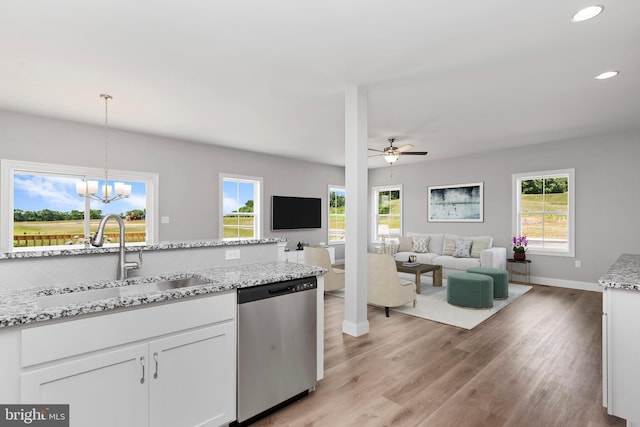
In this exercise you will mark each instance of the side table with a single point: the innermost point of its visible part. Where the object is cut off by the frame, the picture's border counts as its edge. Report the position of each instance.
(525, 272)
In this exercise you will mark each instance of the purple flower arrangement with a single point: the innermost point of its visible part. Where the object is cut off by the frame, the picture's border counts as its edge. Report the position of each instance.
(520, 244)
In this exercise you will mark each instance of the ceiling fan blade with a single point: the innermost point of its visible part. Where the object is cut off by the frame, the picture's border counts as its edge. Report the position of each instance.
(375, 155)
(403, 148)
(415, 153)
(373, 149)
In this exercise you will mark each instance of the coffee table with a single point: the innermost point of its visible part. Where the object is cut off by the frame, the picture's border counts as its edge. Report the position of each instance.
(420, 269)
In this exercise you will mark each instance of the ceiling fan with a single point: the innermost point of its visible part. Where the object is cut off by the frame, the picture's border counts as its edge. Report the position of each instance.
(392, 153)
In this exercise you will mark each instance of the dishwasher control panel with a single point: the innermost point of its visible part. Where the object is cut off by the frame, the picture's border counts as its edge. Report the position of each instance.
(271, 290)
(303, 287)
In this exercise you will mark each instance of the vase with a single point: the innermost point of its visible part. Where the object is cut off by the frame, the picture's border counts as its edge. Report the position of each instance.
(519, 256)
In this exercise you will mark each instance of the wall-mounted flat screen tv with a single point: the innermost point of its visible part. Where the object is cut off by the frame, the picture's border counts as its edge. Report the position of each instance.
(290, 213)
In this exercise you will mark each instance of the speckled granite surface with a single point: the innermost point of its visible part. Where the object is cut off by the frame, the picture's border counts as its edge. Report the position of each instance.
(19, 307)
(623, 274)
(160, 246)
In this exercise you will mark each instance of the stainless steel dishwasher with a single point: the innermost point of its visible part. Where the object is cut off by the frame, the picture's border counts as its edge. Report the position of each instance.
(276, 345)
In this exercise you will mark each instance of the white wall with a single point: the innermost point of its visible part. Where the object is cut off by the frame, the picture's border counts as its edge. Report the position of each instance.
(607, 198)
(188, 171)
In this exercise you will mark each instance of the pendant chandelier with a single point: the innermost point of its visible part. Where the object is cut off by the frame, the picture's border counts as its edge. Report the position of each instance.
(89, 189)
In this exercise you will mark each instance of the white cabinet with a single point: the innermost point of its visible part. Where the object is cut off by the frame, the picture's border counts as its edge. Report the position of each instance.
(620, 350)
(298, 256)
(295, 256)
(102, 390)
(192, 378)
(181, 373)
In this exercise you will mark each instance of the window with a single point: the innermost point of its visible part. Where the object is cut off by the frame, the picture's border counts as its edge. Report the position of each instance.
(41, 209)
(241, 207)
(336, 214)
(387, 210)
(544, 211)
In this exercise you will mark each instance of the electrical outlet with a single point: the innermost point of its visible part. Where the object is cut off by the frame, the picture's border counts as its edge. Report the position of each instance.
(232, 254)
(578, 263)
(164, 220)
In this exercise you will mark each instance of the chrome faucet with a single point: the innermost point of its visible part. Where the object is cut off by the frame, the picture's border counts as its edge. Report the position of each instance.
(123, 264)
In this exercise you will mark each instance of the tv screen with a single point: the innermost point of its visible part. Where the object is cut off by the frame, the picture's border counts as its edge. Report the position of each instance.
(290, 213)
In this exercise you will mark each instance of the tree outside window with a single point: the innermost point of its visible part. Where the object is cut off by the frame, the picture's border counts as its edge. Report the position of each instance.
(240, 208)
(337, 214)
(388, 210)
(42, 210)
(544, 211)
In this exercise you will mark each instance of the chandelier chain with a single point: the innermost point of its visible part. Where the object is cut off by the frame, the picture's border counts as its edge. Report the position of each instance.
(106, 98)
(90, 188)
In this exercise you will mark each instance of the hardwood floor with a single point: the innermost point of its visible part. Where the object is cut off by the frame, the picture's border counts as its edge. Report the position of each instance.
(535, 363)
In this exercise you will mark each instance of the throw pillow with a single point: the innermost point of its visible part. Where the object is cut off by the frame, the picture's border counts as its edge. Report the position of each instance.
(421, 244)
(436, 242)
(406, 244)
(450, 244)
(479, 245)
(463, 248)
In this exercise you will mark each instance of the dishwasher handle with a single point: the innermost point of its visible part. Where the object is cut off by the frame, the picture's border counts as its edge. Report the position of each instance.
(286, 290)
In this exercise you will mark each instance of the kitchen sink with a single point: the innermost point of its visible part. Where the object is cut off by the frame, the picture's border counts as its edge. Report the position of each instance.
(120, 291)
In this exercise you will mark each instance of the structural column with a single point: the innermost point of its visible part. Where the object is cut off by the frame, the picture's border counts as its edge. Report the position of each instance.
(356, 176)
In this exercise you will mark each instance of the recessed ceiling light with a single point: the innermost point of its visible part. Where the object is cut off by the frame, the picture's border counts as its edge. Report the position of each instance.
(606, 75)
(587, 13)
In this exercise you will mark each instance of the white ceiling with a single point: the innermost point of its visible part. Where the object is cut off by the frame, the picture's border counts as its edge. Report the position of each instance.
(449, 77)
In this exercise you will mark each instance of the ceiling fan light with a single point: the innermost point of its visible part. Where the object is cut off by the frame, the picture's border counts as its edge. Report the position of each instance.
(587, 13)
(390, 157)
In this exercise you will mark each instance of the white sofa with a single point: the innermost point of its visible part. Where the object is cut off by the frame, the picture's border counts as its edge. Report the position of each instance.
(441, 248)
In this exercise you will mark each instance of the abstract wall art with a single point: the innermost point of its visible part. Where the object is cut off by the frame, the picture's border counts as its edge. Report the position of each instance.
(456, 203)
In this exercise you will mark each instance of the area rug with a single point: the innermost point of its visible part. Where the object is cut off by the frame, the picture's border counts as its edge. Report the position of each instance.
(432, 304)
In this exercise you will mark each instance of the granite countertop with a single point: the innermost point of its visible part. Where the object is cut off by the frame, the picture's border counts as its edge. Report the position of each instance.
(88, 250)
(20, 306)
(623, 274)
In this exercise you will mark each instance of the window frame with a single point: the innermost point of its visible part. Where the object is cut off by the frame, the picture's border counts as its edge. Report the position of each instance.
(344, 215)
(517, 179)
(8, 168)
(375, 215)
(257, 203)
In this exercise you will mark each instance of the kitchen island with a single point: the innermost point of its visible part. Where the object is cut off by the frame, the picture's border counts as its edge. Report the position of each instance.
(621, 339)
(157, 358)
(20, 306)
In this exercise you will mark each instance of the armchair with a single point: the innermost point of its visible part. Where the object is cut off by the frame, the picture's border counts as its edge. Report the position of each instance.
(334, 279)
(384, 287)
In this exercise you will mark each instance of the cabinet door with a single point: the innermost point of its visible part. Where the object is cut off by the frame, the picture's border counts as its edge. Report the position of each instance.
(623, 342)
(102, 390)
(192, 377)
(292, 256)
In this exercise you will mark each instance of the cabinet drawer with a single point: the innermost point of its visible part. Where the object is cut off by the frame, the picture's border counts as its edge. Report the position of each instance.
(73, 337)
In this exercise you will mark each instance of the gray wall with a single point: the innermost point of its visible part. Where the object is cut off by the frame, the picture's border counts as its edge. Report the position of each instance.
(181, 165)
(607, 198)
(607, 176)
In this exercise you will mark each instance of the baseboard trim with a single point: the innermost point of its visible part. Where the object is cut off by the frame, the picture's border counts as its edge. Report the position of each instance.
(561, 283)
(355, 329)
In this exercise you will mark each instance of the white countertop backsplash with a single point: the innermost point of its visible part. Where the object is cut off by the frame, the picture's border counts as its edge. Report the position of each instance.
(59, 266)
(114, 248)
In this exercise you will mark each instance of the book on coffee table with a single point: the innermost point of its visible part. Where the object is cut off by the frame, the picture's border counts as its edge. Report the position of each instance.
(410, 264)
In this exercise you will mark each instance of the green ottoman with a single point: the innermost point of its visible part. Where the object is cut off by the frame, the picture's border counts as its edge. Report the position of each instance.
(470, 290)
(500, 280)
